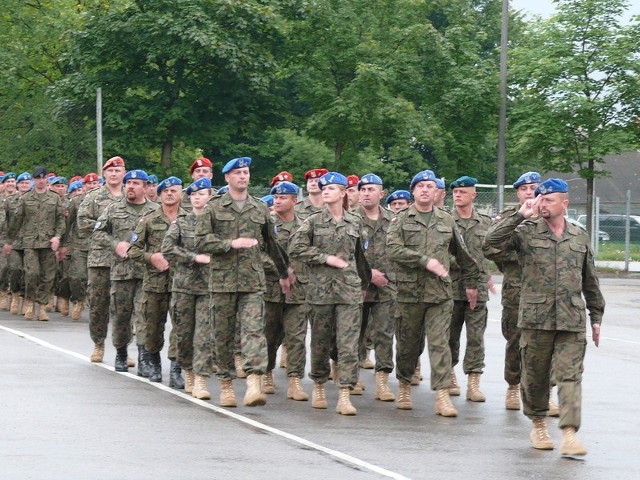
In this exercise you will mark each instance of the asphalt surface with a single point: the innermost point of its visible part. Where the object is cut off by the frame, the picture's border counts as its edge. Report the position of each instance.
(62, 417)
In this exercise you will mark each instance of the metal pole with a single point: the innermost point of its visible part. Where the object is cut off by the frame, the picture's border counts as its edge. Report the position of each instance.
(627, 233)
(502, 121)
(99, 127)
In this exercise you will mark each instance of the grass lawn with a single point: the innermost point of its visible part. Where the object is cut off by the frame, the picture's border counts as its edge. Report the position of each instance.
(613, 251)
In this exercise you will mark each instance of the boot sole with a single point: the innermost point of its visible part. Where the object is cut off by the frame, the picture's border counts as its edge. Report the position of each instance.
(256, 403)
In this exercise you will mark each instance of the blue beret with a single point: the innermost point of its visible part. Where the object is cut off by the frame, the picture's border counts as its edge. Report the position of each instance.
(552, 185)
(440, 184)
(59, 181)
(200, 184)
(153, 179)
(268, 199)
(73, 186)
(168, 182)
(7, 176)
(236, 163)
(526, 178)
(102, 180)
(223, 190)
(423, 176)
(24, 176)
(332, 178)
(369, 179)
(135, 175)
(50, 180)
(399, 195)
(464, 181)
(285, 188)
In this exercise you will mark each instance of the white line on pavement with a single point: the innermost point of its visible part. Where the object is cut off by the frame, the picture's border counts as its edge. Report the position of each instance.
(294, 438)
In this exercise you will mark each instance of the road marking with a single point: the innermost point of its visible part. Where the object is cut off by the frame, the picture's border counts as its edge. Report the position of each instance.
(294, 438)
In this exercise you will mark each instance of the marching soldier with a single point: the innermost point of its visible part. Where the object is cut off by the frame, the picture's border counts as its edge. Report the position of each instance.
(313, 203)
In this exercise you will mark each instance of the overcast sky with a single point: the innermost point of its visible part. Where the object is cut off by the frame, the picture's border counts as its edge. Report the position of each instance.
(546, 8)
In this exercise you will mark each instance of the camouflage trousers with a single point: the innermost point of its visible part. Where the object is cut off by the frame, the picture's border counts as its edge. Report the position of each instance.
(123, 293)
(377, 331)
(61, 284)
(476, 324)
(413, 321)
(337, 325)
(286, 322)
(78, 275)
(16, 271)
(155, 308)
(511, 334)
(194, 332)
(39, 273)
(4, 273)
(99, 296)
(563, 352)
(246, 309)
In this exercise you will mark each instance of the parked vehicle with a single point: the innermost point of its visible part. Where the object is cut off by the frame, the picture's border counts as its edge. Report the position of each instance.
(602, 236)
(615, 224)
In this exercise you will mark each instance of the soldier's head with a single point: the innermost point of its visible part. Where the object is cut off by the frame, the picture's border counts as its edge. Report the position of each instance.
(441, 194)
(113, 171)
(237, 174)
(371, 191)
(554, 198)
(135, 183)
(40, 179)
(285, 196)
(353, 194)
(24, 182)
(398, 200)
(199, 193)
(423, 187)
(464, 191)
(311, 177)
(91, 181)
(9, 183)
(170, 191)
(526, 186)
(75, 188)
(152, 188)
(201, 168)
(283, 176)
(59, 185)
(333, 186)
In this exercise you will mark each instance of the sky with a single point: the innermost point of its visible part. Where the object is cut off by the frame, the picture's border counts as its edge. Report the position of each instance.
(545, 8)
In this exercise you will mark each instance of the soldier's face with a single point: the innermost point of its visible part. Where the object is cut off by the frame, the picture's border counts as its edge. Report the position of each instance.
(283, 204)
(370, 196)
(526, 192)
(312, 185)
(171, 195)
(113, 176)
(152, 191)
(78, 191)
(201, 172)
(91, 185)
(353, 196)
(441, 194)
(41, 184)
(135, 190)
(200, 198)
(463, 196)
(424, 193)
(397, 205)
(59, 188)
(238, 179)
(10, 186)
(333, 193)
(553, 205)
(24, 186)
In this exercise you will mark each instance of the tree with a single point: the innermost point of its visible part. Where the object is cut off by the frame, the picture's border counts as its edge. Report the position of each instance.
(575, 89)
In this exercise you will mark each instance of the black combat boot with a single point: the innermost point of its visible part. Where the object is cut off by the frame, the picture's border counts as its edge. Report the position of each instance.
(175, 378)
(143, 362)
(155, 367)
(121, 360)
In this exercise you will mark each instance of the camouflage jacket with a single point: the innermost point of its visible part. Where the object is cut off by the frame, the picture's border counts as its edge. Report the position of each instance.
(556, 272)
(305, 208)
(473, 231)
(411, 244)
(91, 207)
(71, 238)
(238, 270)
(9, 207)
(320, 236)
(38, 218)
(147, 240)
(375, 251)
(283, 231)
(179, 248)
(116, 224)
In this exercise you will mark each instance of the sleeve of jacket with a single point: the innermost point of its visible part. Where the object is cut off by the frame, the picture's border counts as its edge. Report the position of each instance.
(138, 249)
(61, 221)
(277, 254)
(101, 235)
(591, 289)
(397, 250)
(206, 240)
(301, 244)
(469, 268)
(171, 248)
(86, 216)
(71, 220)
(501, 238)
(16, 222)
(362, 265)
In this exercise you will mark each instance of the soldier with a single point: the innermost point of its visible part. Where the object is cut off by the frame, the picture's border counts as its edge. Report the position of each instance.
(156, 286)
(353, 194)
(200, 168)
(39, 220)
(9, 202)
(190, 294)
(557, 270)
(59, 185)
(420, 241)
(286, 316)
(234, 229)
(441, 193)
(313, 203)
(151, 191)
(113, 232)
(283, 176)
(329, 242)
(398, 200)
(473, 226)
(378, 313)
(100, 258)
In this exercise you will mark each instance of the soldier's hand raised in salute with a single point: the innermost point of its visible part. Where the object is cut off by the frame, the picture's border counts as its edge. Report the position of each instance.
(530, 207)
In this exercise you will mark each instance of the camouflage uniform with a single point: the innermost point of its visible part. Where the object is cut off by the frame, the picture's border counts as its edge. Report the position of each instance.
(305, 208)
(147, 240)
(334, 295)
(116, 224)
(236, 280)
(286, 318)
(473, 230)
(98, 262)
(78, 253)
(15, 272)
(189, 298)
(424, 300)
(38, 218)
(379, 308)
(556, 272)
(62, 287)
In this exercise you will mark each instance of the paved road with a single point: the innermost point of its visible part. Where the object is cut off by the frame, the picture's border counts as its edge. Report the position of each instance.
(62, 417)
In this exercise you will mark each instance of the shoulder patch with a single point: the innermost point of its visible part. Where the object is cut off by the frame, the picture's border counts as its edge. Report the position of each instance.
(97, 225)
(134, 237)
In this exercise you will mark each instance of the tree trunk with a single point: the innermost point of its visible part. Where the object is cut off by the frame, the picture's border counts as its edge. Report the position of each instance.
(338, 155)
(167, 148)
